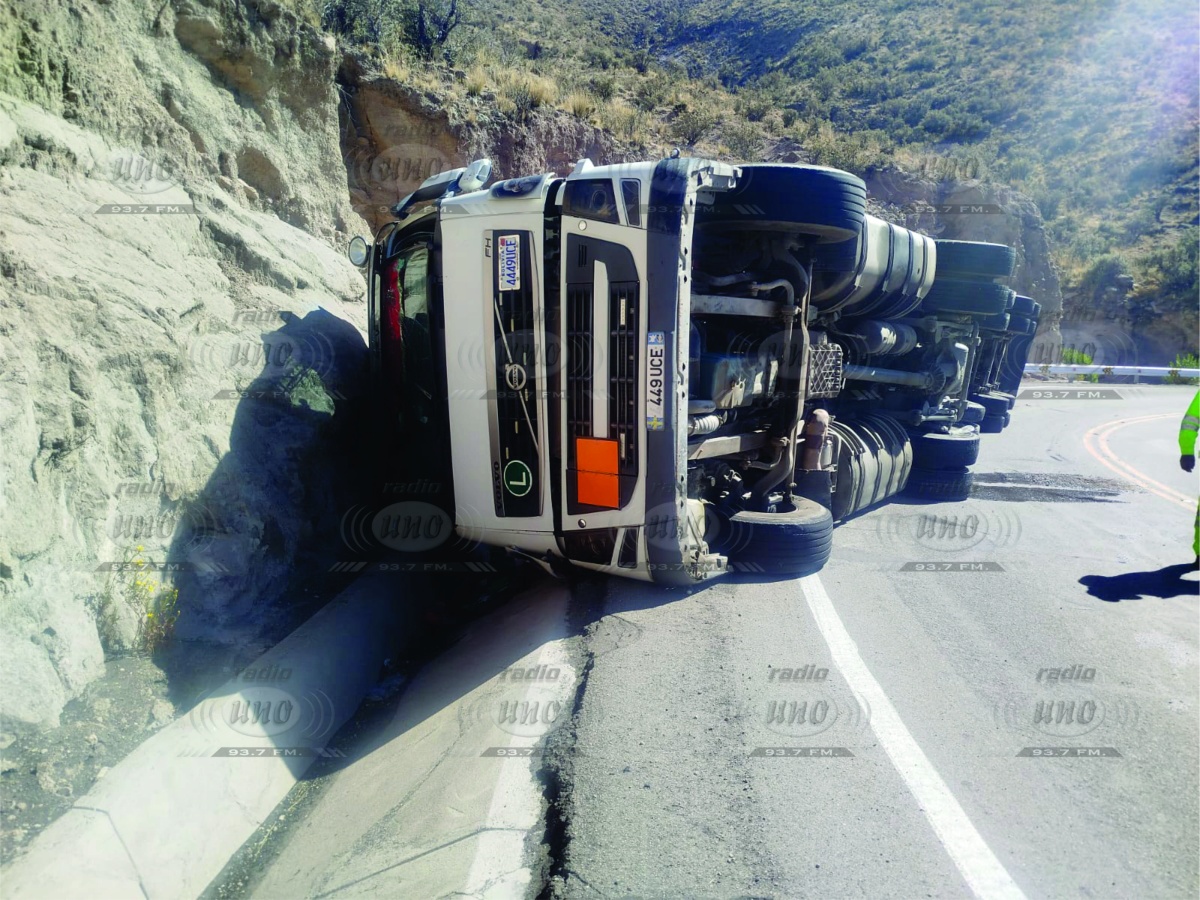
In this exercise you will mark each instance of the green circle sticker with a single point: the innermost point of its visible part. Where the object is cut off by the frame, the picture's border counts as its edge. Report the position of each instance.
(518, 480)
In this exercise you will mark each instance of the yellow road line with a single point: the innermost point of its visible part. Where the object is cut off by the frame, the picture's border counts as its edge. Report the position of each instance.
(1096, 443)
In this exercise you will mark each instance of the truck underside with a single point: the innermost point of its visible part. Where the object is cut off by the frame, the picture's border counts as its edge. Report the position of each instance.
(670, 370)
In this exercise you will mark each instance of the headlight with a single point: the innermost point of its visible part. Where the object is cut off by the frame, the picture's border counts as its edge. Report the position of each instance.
(358, 251)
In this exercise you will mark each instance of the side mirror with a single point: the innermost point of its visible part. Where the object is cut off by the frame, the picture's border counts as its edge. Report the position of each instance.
(358, 251)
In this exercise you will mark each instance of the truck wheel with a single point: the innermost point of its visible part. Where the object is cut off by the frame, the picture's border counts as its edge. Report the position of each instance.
(994, 403)
(1018, 324)
(1013, 367)
(940, 484)
(956, 450)
(974, 298)
(992, 424)
(975, 258)
(995, 323)
(1023, 306)
(974, 413)
(828, 203)
(795, 541)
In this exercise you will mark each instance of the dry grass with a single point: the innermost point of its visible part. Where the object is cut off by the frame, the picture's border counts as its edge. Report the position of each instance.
(581, 104)
(621, 119)
(397, 70)
(477, 81)
(523, 91)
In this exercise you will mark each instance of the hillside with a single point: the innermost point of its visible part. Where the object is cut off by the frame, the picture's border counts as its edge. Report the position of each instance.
(1088, 106)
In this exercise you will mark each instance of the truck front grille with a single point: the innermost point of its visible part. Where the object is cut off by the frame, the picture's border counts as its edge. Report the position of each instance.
(579, 360)
(623, 424)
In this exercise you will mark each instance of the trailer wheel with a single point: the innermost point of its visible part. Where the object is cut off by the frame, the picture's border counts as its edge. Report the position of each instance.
(975, 258)
(992, 424)
(956, 450)
(828, 203)
(940, 484)
(794, 541)
(973, 298)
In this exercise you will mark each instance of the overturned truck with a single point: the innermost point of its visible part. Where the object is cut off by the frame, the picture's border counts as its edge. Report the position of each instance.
(675, 369)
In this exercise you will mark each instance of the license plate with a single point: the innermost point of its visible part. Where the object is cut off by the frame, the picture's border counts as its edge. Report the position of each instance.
(656, 380)
(510, 262)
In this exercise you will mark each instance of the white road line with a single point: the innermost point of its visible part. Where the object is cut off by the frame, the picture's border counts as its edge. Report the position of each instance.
(983, 873)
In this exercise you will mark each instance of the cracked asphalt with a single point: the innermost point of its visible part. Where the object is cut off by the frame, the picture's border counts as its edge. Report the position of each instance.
(996, 697)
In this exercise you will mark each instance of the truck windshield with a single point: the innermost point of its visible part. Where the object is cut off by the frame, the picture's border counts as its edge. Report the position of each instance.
(412, 282)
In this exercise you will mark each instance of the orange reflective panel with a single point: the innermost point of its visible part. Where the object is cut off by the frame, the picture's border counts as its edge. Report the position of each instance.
(596, 455)
(596, 480)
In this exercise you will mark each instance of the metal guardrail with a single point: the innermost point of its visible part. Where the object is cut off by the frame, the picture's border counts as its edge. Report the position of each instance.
(1160, 371)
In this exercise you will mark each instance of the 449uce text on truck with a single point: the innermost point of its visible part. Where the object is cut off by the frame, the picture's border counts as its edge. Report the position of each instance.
(670, 370)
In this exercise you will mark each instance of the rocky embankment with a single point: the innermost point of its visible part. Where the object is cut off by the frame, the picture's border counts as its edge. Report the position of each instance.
(180, 335)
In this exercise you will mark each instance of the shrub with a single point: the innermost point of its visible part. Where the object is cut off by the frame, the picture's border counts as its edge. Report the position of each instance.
(155, 605)
(755, 106)
(744, 140)
(1073, 357)
(691, 124)
(1183, 361)
(604, 88)
(650, 93)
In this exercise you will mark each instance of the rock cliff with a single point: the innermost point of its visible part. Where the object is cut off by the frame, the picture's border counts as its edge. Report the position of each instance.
(180, 333)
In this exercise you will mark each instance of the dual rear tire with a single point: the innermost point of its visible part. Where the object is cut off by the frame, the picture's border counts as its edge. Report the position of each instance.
(941, 464)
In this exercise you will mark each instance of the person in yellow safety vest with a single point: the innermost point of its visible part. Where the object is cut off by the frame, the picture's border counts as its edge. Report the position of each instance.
(1187, 460)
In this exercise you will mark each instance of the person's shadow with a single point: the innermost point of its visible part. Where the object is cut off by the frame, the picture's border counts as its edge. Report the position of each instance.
(1164, 583)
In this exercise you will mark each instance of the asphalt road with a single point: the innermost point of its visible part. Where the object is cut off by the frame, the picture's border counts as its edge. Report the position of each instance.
(996, 697)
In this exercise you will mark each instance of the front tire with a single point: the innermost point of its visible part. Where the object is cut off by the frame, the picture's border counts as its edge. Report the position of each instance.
(793, 542)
